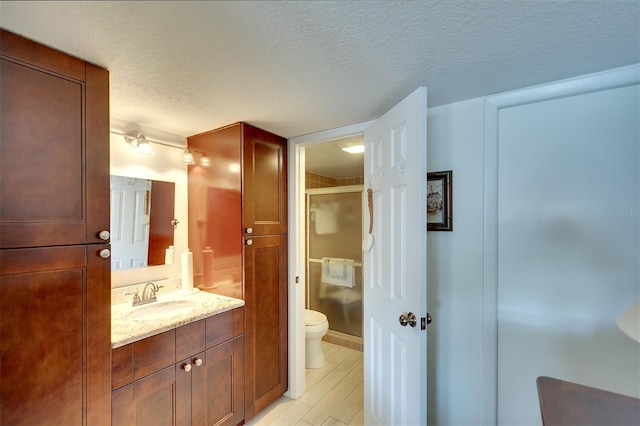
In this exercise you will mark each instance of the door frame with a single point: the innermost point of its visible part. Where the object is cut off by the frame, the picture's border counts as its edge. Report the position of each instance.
(296, 232)
(611, 79)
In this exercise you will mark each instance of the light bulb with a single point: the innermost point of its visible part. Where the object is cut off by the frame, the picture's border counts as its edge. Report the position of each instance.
(187, 157)
(204, 161)
(144, 147)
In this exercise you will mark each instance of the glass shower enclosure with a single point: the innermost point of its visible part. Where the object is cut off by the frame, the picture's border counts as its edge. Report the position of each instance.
(334, 256)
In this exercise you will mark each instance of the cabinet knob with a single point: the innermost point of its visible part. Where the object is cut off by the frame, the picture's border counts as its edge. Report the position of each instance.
(104, 235)
(197, 362)
(104, 253)
(249, 230)
(249, 242)
(186, 368)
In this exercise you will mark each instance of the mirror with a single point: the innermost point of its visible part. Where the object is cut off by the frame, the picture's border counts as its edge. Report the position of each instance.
(142, 222)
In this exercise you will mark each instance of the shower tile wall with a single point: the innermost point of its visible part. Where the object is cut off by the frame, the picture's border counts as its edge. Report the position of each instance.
(313, 180)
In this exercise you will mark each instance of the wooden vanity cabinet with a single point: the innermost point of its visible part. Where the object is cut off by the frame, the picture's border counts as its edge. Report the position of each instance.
(238, 210)
(192, 375)
(55, 277)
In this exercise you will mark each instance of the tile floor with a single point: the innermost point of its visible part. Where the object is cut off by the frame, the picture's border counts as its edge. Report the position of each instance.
(333, 396)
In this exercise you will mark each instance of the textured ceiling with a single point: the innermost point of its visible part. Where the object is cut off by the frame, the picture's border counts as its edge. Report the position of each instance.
(298, 67)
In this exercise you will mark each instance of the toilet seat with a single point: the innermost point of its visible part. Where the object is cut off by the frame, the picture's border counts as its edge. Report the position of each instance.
(312, 318)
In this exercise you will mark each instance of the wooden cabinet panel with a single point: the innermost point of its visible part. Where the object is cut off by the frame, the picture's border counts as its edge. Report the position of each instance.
(55, 311)
(190, 339)
(121, 366)
(264, 191)
(266, 312)
(154, 353)
(42, 324)
(219, 328)
(54, 150)
(148, 401)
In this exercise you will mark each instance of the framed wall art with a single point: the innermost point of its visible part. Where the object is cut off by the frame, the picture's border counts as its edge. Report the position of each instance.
(439, 209)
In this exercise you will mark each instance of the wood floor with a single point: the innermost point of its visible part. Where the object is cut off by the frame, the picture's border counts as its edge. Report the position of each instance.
(333, 395)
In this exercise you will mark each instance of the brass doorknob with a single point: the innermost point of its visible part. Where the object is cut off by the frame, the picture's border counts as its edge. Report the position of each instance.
(409, 318)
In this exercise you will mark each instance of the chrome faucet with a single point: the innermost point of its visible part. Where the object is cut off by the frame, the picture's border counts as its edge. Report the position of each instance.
(148, 294)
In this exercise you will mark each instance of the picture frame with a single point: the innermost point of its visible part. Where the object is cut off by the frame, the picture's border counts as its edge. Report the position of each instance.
(439, 200)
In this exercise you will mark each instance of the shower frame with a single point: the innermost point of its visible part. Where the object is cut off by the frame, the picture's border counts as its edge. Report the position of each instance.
(325, 191)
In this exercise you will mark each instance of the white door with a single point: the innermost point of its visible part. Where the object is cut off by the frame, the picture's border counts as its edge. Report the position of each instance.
(395, 272)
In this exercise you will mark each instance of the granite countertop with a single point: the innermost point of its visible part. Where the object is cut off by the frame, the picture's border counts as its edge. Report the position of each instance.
(125, 330)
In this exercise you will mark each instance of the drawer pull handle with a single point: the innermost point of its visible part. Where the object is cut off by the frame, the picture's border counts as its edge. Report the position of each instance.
(197, 362)
(249, 242)
(104, 253)
(249, 230)
(186, 368)
(104, 235)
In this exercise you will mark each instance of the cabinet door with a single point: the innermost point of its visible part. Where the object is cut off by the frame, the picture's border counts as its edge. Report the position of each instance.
(217, 391)
(264, 191)
(54, 147)
(55, 339)
(148, 401)
(266, 318)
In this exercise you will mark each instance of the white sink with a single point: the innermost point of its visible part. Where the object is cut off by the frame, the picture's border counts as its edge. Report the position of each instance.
(161, 310)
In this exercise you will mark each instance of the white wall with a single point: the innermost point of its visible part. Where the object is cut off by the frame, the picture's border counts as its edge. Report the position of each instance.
(456, 393)
(166, 165)
(454, 267)
(568, 246)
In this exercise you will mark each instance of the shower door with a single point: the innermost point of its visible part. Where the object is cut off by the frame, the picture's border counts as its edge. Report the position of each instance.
(334, 257)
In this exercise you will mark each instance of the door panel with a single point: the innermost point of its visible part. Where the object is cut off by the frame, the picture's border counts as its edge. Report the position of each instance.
(395, 267)
(41, 326)
(266, 309)
(264, 189)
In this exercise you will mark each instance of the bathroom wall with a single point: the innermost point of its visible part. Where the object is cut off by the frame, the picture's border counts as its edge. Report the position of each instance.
(456, 373)
(313, 180)
(166, 165)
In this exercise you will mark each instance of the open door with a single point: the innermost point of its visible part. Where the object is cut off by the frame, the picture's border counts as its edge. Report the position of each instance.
(395, 271)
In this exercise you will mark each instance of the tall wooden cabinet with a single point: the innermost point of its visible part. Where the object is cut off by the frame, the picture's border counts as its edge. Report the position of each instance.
(238, 216)
(54, 206)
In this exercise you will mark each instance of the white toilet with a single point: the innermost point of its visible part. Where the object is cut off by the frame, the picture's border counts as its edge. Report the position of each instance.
(315, 326)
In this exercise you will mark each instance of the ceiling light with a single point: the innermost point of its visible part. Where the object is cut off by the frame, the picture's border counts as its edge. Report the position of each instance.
(354, 149)
(133, 138)
(187, 157)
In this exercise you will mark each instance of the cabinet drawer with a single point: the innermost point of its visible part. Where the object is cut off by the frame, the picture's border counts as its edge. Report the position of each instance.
(219, 328)
(141, 358)
(190, 339)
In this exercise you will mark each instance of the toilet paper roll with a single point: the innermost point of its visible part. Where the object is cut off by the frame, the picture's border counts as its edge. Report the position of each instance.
(187, 271)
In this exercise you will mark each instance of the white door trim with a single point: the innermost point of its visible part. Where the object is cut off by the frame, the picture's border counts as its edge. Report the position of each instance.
(296, 234)
(605, 80)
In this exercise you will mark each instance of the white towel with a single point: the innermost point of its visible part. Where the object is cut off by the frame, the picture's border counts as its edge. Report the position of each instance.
(336, 272)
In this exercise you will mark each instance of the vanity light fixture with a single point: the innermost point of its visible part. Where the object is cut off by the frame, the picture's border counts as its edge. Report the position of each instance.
(354, 149)
(136, 139)
(204, 160)
(187, 157)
